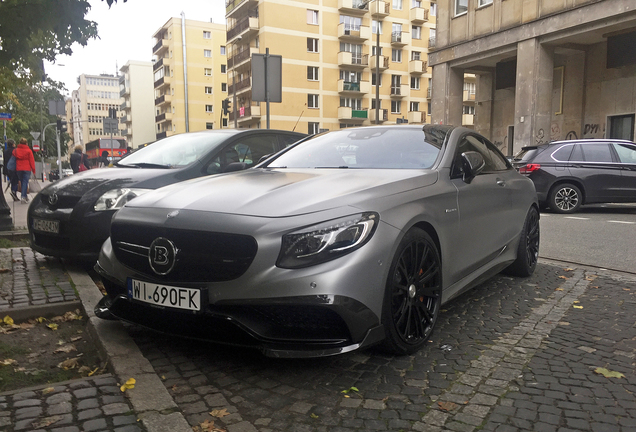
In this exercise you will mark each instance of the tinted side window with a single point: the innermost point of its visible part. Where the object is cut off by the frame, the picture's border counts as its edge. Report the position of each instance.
(498, 159)
(597, 153)
(251, 149)
(577, 154)
(626, 153)
(563, 154)
(287, 140)
(471, 143)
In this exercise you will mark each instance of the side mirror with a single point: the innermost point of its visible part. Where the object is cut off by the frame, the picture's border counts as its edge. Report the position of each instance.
(473, 163)
(235, 166)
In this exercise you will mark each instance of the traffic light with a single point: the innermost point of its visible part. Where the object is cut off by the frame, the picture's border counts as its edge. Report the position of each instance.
(226, 106)
(61, 126)
(112, 113)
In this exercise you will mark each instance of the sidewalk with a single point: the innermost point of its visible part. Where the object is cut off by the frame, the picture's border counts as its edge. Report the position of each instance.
(19, 210)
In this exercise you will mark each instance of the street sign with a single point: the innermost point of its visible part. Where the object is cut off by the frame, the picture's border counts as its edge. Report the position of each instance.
(57, 108)
(111, 126)
(36, 145)
(274, 84)
(5, 116)
(35, 135)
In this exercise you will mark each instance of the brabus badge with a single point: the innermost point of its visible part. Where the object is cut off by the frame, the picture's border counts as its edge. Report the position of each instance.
(173, 214)
(162, 256)
(53, 198)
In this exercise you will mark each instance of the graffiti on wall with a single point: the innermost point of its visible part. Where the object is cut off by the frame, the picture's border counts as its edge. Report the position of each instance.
(571, 135)
(540, 137)
(555, 132)
(594, 130)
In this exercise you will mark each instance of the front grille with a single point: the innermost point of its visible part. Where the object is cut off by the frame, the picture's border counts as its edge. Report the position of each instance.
(52, 241)
(63, 201)
(201, 257)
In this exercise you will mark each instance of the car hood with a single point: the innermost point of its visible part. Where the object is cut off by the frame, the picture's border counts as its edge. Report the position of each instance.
(111, 178)
(286, 192)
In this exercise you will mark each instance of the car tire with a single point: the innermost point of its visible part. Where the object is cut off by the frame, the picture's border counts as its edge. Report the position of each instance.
(565, 198)
(413, 293)
(528, 249)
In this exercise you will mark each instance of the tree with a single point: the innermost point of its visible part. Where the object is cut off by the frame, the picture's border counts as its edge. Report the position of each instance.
(34, 30)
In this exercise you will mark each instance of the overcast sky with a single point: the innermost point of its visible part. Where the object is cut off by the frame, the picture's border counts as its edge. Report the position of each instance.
(125, 33)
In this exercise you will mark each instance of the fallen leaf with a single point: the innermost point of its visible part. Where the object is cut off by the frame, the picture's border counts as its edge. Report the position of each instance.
(626, 289)
(313, 416)
(41, 319)
(7, 362)
(563, 277)
(46, 422)
(577, 307)
(91, 373)
(76, 338)
(48, 390)
(608, 373)
(130, 384)
(71, 363)
(5, 270)
(559, 289)
(568, 269)
(219, 413)
(26, 326)
(8, 320)
(350, 389)
(447, 406)
(52, 326)
(66, 349)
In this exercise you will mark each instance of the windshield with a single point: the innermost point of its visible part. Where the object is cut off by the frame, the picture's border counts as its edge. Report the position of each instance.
(175, 151)
(373, 147)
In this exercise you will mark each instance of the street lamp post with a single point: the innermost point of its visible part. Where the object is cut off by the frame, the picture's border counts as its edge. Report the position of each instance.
(377, 54)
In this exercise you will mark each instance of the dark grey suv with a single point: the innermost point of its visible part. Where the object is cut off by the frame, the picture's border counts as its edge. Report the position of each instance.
(568, 174)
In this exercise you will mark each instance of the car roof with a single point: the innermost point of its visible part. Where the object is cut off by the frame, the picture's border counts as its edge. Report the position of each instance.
(577, 141)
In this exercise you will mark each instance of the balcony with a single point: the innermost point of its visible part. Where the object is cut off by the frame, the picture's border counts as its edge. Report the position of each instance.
(347, 113)
(160, 46)
(429, 91)
(400, 38)
(352, 7)
(384, 115)
(124, 91)
(350, 32)
(348, 59)
(240, 86)
(379, 9)
(469, 96)
(246, 115)
(418, 15)
(246, 27)
(353, 87)
(125, 105)
(233, 7)
(161, 135)
(399, 91)
(163, 61)
(383, 61)
(417, 67)
(164, 80)
(468, 119)
(416, 117)
(166, 98)
(241, 58)
(163, 117)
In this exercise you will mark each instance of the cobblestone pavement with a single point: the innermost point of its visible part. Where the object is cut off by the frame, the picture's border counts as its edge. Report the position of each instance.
(512, 354)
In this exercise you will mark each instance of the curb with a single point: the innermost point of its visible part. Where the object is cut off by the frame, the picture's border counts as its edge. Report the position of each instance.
(150, 398)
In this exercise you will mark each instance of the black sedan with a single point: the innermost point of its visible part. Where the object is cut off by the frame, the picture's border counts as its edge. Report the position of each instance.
(71, 217)
(348, 239)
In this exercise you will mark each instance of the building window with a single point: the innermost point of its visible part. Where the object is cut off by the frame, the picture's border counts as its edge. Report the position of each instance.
(433, 10)
(373, 104)
(312, 73)
(209, 108)
(223, 87)
(312, 128)
(355, 104)
(208, 90)
(223, 68)
(416, 3)
(351, 23)
(416, 55)
(224, 122)
(397, 4)
(416, 32)
(396, 55)
(209, 125)
(373, 79)
(350, 76)
(207, 35)
(374, 49)
(207, 53)
(207, 72)
(469, 109)
(312, 100)
(222, 50)
(374, 26)
(312, 16)
(415, 83)
(484, 2)
(312, 45)
(396, 107)
(461, 6)
(414, 106)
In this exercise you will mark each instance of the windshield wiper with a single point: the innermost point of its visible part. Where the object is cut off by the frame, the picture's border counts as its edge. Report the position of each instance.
(332, 167)
(144, 165)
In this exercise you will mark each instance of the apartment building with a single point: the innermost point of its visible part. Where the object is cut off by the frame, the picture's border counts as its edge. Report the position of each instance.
(331, 61)
(95, 96)
(138, 113)
(189, 84)
(545, 69)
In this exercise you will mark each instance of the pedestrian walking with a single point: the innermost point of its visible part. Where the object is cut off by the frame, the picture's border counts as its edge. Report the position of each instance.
(24, 166)
(103, 161)
(79, 160)
(9, 169)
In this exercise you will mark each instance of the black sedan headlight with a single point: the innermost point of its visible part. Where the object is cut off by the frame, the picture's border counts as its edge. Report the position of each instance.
(326, 241)
(115, 199)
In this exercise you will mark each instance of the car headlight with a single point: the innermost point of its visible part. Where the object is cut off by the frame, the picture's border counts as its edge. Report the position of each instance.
(115, 199)
(326, 241)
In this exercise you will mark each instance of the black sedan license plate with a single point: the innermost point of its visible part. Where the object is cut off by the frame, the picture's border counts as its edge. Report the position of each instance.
(164, 295)
(44, 225)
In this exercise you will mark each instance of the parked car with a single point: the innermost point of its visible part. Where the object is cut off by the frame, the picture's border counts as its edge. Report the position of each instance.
(54, 175)
(71, 217)
(344, 240)
(67, 172)
(569, 174)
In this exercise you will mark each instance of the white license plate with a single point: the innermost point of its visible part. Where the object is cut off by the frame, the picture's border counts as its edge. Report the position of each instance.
(50, 226)
(164, 295)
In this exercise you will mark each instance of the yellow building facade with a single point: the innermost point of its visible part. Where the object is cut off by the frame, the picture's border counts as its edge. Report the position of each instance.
(189, 99)
(329, 61)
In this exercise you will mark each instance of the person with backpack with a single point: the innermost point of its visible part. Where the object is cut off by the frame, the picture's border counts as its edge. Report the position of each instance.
(79, 160)
(24, 166)
(9, 169)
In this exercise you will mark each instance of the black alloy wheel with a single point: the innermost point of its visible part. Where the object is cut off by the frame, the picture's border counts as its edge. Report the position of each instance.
(565, 198)
(528, 250)
(413, 293)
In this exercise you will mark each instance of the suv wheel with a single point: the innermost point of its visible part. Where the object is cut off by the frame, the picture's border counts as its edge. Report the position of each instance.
(565, 198)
